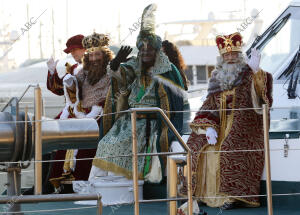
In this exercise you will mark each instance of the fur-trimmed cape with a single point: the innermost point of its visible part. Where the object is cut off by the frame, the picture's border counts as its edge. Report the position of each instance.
(169, 90)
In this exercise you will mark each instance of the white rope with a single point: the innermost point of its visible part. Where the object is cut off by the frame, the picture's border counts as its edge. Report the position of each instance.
(130, 155)
(29, 171)
(77, 159)
(19, 103)
(49, 120)
(53, 210)
(206, 197)
(247, 196)
(187, 111)
(246, 150)
(46, 106)
(271, 108)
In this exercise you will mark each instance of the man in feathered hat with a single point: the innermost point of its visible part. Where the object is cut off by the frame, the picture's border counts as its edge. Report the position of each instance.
(148, 80)
(219, 125)
(85, 94)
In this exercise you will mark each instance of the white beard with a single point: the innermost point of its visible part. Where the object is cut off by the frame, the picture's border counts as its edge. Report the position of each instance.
(226, 74)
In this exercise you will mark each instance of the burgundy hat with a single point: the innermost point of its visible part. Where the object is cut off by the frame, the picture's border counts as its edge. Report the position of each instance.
(73, 43)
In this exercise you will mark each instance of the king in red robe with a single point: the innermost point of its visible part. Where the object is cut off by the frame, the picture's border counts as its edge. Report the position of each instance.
(229, 120)
(84, 87)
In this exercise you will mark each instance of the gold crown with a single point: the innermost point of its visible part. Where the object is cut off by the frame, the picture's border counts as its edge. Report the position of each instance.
(94, 42)
(229, 43)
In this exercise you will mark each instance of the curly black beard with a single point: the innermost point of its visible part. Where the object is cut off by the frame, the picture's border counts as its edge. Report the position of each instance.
(95, 71)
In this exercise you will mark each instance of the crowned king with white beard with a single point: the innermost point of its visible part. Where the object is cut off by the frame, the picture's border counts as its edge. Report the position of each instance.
(229, 120)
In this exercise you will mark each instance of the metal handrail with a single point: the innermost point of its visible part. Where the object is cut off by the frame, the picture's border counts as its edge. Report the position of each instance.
(135, 156)
(49, 198)
(169, 123)
(53, 198)
(17, 149)
(8, 103)
(25, 91)
(267, 158)
(21, 97)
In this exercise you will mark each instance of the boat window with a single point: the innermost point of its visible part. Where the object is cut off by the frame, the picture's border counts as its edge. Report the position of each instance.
(280, 41)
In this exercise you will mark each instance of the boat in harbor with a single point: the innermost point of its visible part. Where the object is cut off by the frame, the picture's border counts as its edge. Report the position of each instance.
(279, 46)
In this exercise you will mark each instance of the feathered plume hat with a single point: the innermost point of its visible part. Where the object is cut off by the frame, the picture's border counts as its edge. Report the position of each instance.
(147, 34)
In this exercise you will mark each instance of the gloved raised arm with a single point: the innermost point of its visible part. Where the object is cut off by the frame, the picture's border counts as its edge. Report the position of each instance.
(254, 61)
(52, 65)
(120, 58)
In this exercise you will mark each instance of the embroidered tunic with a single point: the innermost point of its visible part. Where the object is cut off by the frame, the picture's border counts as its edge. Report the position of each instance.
(119, 136)
(92, 95)
(159, 91)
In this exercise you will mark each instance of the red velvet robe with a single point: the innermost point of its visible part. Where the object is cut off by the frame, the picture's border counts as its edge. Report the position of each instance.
(240, 172)
(82, 169)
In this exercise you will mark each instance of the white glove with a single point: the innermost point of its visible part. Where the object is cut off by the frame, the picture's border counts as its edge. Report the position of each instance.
(211, 136)
(254, 61)
(65, 113)
(69, 80)
(96, 111)
(52, 65)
